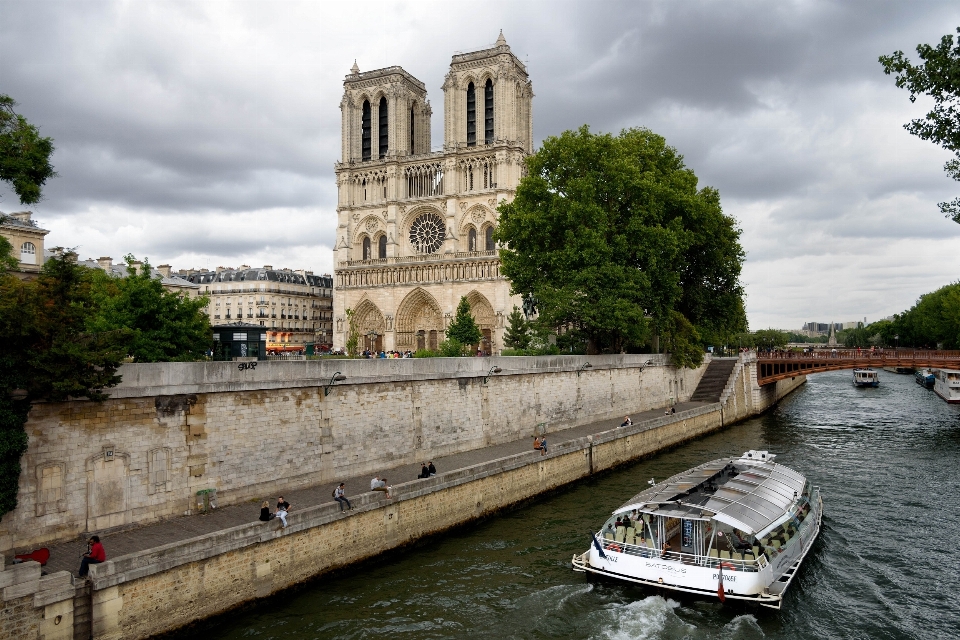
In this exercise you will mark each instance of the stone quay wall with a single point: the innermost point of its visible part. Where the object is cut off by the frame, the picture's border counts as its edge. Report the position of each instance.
(164, 588)
(255, 428)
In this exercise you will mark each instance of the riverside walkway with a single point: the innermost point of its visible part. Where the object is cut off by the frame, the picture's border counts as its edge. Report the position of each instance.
(64, 556)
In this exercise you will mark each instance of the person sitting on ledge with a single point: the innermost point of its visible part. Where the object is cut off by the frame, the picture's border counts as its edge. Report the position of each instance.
(627, 422)
(282, 508)
(94, 555)
(380, 484)
(265, 514)
(424, 471)
(431, 468)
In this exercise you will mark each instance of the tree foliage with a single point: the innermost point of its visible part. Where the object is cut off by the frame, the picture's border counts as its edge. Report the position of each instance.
(48, 353)
(24, 154)
(933, 320)
(612, 237)
(517, 333)
(464, 329)
(164, 326)
(938, 76)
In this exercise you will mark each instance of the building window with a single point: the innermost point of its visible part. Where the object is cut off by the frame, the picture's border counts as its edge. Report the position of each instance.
(427, 233)
(412, 138)
(471, 116)
(382, 247)
(488, 112)
(365, 131)
(382, 118)
(366, 248)
(28, 253)
(472, 239)
(488, 239)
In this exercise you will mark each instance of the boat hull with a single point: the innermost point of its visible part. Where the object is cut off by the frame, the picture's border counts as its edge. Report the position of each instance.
(947, 385)
(765, 587)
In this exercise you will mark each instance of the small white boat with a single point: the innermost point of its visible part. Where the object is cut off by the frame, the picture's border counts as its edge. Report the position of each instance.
(731, 528)
(866, 377)
(925, 378)
(947, 385)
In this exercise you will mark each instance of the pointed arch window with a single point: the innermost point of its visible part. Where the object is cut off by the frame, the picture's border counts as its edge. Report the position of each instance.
(472, 239)
(382, 129)
(471, 115)
(382, 247)
(366, 249)
(412, 136)
(488, 239)
(365, 131)
(488, 112)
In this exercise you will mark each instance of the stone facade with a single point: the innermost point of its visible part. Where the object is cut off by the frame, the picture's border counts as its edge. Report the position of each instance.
(415, 227)
(172, 429)
(295, 307)
(26, 237)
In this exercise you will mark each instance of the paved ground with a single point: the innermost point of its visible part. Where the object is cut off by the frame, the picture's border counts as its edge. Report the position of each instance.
(65, 556)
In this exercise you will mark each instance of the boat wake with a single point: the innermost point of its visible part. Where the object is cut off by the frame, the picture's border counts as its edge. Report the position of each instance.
(656, 618)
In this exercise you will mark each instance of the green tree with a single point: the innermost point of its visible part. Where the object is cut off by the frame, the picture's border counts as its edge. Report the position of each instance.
(938, 76)
(933, 320)
(770, 339)
(517, 334)
(24, 154)
(165, 326)
(353, 333)
(608, 231)
(48, 353)
(857, 337)
(464, 329)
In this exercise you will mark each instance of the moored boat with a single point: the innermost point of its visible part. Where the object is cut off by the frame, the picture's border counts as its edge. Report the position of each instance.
(866, 377)
(731, 528)
(947, 385)
(925, 377)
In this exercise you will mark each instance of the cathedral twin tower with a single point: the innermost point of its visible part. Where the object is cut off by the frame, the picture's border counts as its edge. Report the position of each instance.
(414, 226)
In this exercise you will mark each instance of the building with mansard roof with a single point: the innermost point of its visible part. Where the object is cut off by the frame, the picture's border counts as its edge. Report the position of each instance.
(415, 226)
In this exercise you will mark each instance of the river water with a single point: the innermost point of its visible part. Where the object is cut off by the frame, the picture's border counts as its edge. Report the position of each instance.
(885, 565)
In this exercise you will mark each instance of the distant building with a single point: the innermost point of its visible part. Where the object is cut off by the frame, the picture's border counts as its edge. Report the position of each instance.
(295, 307)
(170, 281)
(27, 239)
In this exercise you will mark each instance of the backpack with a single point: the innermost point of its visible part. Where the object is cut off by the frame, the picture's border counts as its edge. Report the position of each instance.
(334, 494)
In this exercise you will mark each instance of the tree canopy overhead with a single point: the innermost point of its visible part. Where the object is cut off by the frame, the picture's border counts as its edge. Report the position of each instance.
(612, 237)
(938, 76)
(24, 154)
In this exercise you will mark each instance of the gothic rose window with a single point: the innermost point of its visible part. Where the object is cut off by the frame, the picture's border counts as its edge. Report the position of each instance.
(426, 233)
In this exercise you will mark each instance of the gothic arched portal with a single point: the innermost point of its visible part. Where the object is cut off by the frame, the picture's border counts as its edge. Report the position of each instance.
(419, 321)
(370, 326)
(482, 312)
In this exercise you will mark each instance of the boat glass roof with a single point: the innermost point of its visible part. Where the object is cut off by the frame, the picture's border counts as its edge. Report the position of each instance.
(747, 493)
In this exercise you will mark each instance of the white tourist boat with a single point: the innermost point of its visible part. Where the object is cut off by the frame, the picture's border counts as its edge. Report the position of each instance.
(732, 528)
(947, 385)
(866, 377)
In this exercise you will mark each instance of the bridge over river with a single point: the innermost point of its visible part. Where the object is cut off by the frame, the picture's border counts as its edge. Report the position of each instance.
(780, 365)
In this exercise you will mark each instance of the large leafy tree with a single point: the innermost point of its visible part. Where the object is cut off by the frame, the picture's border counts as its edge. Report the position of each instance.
(938, 76)
(24, 154)
(612, 237)
(933, 320)
(165, 326)
(48, 353)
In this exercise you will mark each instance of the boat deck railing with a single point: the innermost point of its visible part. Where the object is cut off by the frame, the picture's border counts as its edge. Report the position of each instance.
(748, 564)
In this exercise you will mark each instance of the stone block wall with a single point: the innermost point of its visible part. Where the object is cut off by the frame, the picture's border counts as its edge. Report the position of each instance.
(248, 429)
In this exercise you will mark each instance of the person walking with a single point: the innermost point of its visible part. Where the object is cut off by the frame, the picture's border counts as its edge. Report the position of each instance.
(338, 495)
(94, 555)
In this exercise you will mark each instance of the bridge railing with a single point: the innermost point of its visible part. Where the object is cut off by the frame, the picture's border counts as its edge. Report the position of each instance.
(879, 355)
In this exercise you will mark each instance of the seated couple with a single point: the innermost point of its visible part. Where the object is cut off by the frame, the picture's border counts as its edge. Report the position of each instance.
(427, 469)
(540, 444)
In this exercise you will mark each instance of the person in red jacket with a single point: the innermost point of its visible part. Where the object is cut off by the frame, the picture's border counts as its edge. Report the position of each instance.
(94, 555)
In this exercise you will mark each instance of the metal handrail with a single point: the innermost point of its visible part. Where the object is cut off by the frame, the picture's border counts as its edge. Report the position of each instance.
(751, 566)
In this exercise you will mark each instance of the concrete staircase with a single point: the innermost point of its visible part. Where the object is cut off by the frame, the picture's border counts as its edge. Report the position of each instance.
(714, 380)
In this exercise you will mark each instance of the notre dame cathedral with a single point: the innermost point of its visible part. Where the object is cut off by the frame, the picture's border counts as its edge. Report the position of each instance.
(415, 226)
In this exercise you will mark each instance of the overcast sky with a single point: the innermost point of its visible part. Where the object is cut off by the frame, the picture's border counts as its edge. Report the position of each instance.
(204, 133)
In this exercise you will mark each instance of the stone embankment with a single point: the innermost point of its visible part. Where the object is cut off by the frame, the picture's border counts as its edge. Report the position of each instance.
(161, 588)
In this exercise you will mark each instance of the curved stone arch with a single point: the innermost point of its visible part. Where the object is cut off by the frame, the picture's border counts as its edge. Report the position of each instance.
(472, 216)
(368, 317)
(465, 81)
(483, 315)
(403, 233)
(358, 239)
(482, 236)
(485, 75)
(419, 312)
